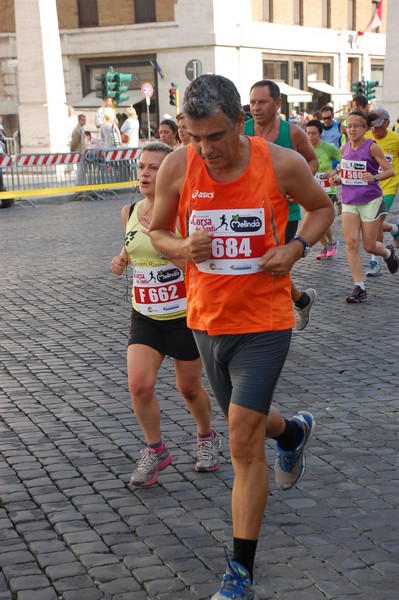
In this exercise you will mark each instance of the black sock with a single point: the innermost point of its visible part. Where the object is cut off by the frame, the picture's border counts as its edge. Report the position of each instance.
(244, 553)
(291, 437)
(303, 300)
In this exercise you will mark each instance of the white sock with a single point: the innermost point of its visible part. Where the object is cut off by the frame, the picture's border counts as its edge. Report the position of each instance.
(394, 229)
(360, 284)
(388, 254)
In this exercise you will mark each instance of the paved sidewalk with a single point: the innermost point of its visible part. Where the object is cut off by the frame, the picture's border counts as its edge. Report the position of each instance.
(70, 526)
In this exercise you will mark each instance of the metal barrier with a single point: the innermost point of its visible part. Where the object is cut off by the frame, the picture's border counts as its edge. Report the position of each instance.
(11, 146)
(91, 175)
(111, 166)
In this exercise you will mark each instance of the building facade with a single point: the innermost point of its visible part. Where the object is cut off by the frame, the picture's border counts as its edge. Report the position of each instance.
(310, 46)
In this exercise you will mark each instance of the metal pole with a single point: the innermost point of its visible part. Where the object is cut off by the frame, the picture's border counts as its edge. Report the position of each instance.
(147, 101)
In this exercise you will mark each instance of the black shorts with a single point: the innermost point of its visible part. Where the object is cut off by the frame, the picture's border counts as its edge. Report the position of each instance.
(170, 338)
(243, 369)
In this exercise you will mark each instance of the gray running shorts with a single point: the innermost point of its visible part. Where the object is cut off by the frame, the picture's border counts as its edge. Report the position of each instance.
(244, 368)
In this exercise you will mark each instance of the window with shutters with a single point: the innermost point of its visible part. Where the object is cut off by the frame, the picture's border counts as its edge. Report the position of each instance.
(144, 11)
(88, 13)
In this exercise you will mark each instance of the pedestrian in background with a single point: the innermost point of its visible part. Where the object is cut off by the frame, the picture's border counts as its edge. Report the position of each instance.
(159, 329)
(72, 122)
(106, 109)
(78, 144)
(332, 130)
(130, 129)
(182, 130)
(109, 132)
(360, 102)
(168, 133)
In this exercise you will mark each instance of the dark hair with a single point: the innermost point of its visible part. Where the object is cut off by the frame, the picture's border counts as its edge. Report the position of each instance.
(359, 113)
(361, 100)
(179, 116)
(157, 147)
(209, 93)
(170, 123)
(315, 123)
(327, 107)
(273, 88)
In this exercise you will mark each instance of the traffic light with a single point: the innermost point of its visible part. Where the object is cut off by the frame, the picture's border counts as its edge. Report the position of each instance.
(370, 91)
(108, 85)
(358, 87)
(102, 87)
(113, 85)
(172, 94)
(121, 79)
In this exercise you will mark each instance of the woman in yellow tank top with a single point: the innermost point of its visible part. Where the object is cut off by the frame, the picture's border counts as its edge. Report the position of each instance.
(159, 329)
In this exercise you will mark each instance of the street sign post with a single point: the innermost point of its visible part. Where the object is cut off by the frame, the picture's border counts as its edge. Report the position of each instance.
(193, 69)
(147, 90)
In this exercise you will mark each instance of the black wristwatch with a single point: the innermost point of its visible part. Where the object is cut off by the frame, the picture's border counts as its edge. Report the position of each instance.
(306, 247)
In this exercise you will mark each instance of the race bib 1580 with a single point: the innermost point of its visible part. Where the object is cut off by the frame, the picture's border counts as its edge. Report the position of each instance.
(351, 172)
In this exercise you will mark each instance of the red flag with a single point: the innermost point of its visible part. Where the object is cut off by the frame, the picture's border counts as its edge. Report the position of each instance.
(375, 21)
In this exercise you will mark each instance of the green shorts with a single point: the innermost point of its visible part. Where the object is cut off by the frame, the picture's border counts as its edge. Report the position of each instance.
(367, 212)
(294, 211)
(388, 199)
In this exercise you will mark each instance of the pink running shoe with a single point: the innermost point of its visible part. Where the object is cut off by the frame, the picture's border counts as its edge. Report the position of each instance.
(149, 465)
(332, 248)
(323, 254)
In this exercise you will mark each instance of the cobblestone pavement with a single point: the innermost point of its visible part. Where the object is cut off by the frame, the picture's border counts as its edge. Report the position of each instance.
(71, 527)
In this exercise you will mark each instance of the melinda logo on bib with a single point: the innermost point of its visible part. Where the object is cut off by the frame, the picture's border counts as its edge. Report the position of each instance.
(249, 223)
(168, 275)
(198, 194)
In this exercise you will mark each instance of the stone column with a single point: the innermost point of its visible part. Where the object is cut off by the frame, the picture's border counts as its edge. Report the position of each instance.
(42, 101)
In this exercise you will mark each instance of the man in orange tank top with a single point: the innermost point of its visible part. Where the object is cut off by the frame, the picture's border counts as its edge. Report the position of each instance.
(238, 290)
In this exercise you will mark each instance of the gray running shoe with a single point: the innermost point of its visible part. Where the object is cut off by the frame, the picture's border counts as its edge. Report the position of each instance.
(302, 315)
(149, 465)
(208, 453)
(236, 584)
(290, 465)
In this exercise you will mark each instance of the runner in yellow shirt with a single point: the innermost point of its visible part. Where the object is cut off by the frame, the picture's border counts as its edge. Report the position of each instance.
(388, 141)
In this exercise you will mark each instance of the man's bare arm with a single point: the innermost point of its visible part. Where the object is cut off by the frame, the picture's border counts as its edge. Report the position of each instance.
(197, 247)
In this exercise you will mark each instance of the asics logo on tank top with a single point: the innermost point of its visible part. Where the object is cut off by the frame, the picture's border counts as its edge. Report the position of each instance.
(199, 194)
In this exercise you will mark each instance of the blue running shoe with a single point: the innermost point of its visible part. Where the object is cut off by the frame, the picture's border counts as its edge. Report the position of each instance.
(375, 269)
(290, 464)
(395, 236)
(236, 584)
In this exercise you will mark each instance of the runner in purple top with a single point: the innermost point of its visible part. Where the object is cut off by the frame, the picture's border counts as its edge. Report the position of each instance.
(363, 165)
